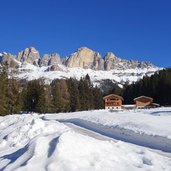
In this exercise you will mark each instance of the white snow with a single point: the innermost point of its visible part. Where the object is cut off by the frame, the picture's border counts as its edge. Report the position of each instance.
(31, 72)
(152, 121)
(40, 142)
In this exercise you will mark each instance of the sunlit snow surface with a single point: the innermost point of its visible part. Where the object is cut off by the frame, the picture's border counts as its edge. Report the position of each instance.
(39, 142)
(31, 72)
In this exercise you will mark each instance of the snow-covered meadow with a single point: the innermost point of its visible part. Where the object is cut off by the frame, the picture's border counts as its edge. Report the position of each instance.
(91, 140)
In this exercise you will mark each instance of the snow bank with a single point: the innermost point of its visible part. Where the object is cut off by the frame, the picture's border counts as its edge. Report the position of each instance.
(150, 128)
(29, 142)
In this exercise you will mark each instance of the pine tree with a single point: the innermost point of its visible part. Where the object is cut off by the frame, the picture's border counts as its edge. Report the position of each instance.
(98, 102)
(48, 98)
(85, 94)
(14, 100)
(60, 95)
(74, 95)
(4, 91)
(34, 97)
(158, 86)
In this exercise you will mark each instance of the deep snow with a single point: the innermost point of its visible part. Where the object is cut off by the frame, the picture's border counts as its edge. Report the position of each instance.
(40, 142)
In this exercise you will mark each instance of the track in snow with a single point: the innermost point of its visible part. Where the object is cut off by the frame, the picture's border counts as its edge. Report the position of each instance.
(93, 134)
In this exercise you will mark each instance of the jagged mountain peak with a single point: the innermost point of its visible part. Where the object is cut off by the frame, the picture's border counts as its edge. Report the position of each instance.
(102, 70)
(84, 48)
(84, 57)
(30, 48)
(29, 55)
(110, 55)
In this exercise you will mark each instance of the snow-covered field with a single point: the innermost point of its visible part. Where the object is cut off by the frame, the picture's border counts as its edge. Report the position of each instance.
(87, 141)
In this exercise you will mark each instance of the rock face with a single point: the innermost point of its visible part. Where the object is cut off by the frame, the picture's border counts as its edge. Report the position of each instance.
(82, 58)
(108, 70)
(53, 59)
(110, 61)
(29, 55)
(10, 60)
(113, 62)
(85, 58)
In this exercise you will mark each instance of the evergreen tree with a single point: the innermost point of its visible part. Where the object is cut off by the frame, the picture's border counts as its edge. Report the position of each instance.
(74, 95)
(4, 91)
(98, 102)
(48, 98)
(14, 100)
(60, 96)
(34, 97)
(116, 90)
(157, 86)
(85, 94)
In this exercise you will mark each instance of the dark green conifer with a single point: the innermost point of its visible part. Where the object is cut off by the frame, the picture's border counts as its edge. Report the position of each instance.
(4, 91)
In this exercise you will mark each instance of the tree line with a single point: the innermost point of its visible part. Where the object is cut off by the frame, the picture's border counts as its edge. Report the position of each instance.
(158, 86)
(70, 95)
(62, 95)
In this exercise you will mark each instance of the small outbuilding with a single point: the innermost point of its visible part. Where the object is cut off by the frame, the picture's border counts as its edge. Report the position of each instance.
(113, 101)
(143, 101)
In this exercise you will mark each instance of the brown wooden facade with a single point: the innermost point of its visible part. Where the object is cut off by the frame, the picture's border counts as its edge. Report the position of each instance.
(143, 101)
(113, 101)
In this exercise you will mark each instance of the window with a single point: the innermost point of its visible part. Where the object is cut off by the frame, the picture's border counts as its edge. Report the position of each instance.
(113, 99)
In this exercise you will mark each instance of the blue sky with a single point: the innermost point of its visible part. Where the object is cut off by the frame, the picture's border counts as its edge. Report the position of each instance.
(131, 29)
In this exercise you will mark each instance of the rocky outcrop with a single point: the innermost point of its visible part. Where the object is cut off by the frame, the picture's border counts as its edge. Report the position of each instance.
(82, 58)
(53, 59)
(109, 61)
(10, 60)
(113, 62)
(29, 55)
(85, 58)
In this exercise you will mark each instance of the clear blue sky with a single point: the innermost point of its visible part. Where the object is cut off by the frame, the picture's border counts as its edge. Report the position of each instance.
(132, 29)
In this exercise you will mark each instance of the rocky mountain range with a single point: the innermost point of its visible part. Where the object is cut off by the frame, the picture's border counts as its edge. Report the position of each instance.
(83, 58)
(103, 71)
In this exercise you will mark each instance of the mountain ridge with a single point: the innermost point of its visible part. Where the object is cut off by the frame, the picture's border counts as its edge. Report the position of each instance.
(103, 71)
(83, 58)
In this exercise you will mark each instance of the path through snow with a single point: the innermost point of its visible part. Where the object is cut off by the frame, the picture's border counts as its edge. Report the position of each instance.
(28, 142)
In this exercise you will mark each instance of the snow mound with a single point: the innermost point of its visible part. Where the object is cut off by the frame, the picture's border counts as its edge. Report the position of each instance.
(29, 142)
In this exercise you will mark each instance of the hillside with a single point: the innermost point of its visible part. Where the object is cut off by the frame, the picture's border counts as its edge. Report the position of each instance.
(28, 65)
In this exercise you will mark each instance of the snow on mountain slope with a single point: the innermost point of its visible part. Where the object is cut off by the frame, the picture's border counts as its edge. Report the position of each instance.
(31, 72)
(29, 65)
(28, 142)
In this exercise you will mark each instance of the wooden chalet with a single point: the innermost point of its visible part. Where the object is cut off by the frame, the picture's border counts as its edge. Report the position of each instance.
(143, 101)
(113, 101)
